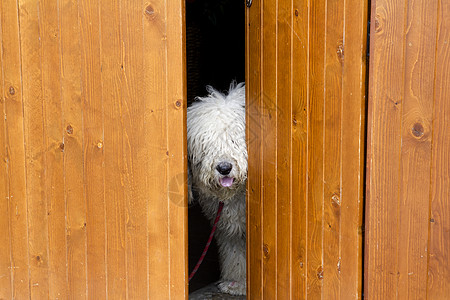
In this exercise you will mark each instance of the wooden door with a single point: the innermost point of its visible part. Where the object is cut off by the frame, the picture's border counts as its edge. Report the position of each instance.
(408, 179)
(93, 157)
(306, 75)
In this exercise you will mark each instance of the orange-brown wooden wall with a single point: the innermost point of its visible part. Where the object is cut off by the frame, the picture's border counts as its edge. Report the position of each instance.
(93, 158)
(306, 66)
(408, 178)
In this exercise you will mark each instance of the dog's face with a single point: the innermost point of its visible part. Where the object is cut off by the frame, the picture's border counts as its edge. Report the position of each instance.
(217, 147)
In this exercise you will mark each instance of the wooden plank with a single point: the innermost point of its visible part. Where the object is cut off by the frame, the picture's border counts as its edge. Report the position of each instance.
(352, 143)
(439, 234)
(92, 106)
(315, 151)
(299, 133)
(177, 157)
(15, 150)
(283, 124)
(135, 149)
(116, 175)
(415, 169)
(334, 60)
(54, 147)
(384, 140)
(5, 230)
(35, 154)
(268, 121)
(254, 136)
(308, 101)
(154, 87)
(71, 98)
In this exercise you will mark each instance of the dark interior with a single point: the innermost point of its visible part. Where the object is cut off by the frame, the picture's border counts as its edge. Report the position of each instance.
(215, 54)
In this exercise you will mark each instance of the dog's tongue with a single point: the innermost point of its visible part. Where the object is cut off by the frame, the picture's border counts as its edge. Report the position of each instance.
(226, 181)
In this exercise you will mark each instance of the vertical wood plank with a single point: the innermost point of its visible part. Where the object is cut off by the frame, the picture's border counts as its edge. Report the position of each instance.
(268, 121)
(54, 147)
(15, 149)
(416, 149)
(116, 175)
(311, 96)
(283, 125)
(5, 231)
(384, 139)
(315, 151)
(254, 96)
(353, 140)
(35, 149)
(177, 160)
(135, 150)
(154, 27)
(76, 217)
(71, 95)
(299, 133)
(405, 149)
(93, 143)
(439, 241)
(334, 61)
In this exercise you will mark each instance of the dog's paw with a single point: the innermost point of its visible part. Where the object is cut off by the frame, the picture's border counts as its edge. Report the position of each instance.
(232, 287)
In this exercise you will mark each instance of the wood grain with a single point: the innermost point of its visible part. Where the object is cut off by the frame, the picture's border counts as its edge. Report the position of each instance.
(177, 160)
(439, 232)
(71, 98)
(315, 165)
(5, 231)
(15, 150)
(299, 132)
(307, 123)
(384, 126)
(407, 163)
(53, 143)
(416, 149)
(115, 113)
(93, 149)
(332, 173)
(254, 98)
(268, 125)
(155, 90)
(283, 132)
(35, 149)
(352, 149)
(135, 149)
(86, 92)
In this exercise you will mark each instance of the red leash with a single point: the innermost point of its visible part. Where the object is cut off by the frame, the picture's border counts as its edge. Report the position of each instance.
(219, 211)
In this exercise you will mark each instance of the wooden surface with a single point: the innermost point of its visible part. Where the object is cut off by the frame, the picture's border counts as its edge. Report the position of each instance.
(305, 113)
(407, 227)
(92, 148)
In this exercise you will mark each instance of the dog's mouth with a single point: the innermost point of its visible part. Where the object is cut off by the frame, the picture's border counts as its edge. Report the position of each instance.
(226, 181)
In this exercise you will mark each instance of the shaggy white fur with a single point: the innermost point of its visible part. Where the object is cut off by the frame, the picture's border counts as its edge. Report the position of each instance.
(218, 165)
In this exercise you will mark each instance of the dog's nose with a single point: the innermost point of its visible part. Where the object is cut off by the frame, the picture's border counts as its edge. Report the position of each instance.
(224, 168)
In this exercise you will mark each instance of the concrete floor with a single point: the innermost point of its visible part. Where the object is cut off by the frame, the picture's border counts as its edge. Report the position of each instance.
(211, 292)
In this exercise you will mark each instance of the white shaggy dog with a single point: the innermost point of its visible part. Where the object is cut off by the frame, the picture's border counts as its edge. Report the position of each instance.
(218, 168)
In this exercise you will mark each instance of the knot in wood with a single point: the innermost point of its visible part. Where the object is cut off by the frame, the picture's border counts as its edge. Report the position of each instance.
(69, 129)
(266, 251)
(340, 52)
(150, 12)
(320, 273)
(335, 200)
(377, 24)
(12, 91)
(417, 130)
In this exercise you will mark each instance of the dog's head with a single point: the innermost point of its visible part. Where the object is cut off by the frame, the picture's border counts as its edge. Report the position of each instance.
(216, 142)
